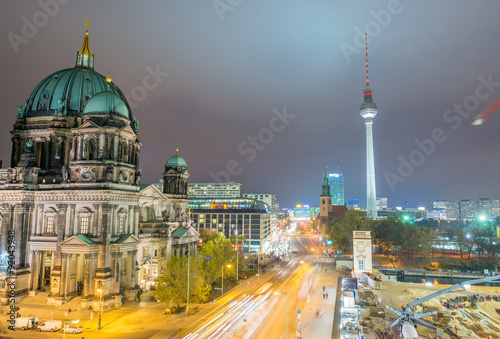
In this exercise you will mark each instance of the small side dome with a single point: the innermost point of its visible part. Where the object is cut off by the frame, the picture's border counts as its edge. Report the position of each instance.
(106, 103)
(176, 161)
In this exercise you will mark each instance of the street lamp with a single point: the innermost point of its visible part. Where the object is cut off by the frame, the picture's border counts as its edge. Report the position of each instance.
(188, 252)
(100, 313)
(228, 266)
(236, 232)
(286, 312)
(74, 321)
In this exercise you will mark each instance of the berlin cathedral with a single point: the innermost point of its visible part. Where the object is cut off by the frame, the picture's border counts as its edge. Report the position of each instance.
(84, 225)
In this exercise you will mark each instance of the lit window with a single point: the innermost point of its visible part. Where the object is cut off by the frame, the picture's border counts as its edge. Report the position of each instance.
(50, 224)
(84, 225)
(121, 224)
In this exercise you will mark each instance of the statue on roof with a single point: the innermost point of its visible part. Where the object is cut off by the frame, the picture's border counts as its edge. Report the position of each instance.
(61, 109)
(21, 111)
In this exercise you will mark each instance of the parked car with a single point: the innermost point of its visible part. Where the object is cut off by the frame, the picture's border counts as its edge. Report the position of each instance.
(25, 323)
(72, 329)
(50, 326)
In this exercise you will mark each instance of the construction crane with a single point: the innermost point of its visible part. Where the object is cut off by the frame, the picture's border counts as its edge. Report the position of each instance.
(408, 319)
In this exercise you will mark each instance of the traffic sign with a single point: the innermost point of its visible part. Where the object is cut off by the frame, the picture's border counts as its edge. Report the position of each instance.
(298, 314)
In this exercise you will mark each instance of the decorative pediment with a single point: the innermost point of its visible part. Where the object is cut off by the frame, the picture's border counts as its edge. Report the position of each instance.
(152, 191)
(126, 239)
(127, 128)
(89, 124)
(77, 240)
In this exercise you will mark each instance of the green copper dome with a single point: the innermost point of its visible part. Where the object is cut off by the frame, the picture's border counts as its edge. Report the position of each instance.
(71, 87)
(106, 103)
(176, 161)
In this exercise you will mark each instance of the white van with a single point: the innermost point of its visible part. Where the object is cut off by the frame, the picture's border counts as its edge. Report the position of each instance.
(52, 326)
(25, 323)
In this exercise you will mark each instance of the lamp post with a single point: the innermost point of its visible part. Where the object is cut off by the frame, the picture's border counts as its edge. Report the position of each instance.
(236, 232)
(223, 278)
(74, 321)
(187, 296)
(258, 264)
(100, 313)
(286, 312)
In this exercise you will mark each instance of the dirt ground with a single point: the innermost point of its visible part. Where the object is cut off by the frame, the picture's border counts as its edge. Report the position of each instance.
(472, 324)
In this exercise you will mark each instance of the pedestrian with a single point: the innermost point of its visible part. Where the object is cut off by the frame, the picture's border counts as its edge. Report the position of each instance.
(326, 294)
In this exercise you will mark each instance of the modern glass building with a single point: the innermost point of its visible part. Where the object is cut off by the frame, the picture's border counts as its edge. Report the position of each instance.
(336, 181)
(248, 217)
(214, 190)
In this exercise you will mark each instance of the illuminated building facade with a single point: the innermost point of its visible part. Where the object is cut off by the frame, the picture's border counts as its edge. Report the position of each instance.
(248, 217)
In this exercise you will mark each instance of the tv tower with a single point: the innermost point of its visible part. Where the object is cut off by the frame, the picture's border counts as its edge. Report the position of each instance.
(368, 110)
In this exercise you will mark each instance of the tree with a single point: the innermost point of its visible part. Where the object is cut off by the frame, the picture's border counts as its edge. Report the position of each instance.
(385, 232)
(218, 251)
(172, 286)
(340, 229)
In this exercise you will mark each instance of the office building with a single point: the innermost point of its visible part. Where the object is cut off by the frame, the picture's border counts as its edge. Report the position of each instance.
(336, 181)
(214, 190)
(230, 216)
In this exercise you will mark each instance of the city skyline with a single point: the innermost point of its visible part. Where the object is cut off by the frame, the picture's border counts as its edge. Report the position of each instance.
(212, 84)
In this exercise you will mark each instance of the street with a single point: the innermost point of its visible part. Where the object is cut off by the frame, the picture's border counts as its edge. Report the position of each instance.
(260, 307)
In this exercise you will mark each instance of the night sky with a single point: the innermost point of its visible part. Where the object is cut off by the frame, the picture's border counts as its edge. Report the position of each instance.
(236, 66)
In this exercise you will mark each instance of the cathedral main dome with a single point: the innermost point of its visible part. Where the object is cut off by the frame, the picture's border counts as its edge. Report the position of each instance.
(68, 91)
(74, 88)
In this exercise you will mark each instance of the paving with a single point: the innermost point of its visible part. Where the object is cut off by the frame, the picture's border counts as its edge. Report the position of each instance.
(318, 318)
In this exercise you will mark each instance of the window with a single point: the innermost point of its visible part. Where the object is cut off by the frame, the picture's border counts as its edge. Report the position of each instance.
(361, 264)
(49, 228)
(156, 253)
(121, 224)
(361, 248)
(84, 225)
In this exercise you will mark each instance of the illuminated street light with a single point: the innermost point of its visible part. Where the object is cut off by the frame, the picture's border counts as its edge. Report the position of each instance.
(228, 266)
(286, 312)
(236, 232)
(100, 313)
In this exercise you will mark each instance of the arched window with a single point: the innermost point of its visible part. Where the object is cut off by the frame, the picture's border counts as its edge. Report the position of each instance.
(91, 150)
(50, 219)
(84, 221)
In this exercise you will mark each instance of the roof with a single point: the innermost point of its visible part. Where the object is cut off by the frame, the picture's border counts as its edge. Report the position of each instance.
(71, 87)
(176, 161)
(84, 239)
(106, 103)
(180, 232)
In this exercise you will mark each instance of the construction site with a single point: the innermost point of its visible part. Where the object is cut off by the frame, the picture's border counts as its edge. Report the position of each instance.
(431, 311)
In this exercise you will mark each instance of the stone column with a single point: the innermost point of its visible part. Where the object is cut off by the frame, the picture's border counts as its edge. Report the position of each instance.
(103, 272)
(87, 277)
(116, 148)
(39, 221)
(6, 226)
(63, 276)
(58, 271)
(70, 222)
(35, 272)
(73, 148)
(21, 230)
(95, 221)
(134, 270)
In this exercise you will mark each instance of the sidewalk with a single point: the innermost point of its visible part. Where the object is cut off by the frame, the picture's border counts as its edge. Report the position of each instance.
(317, 318)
